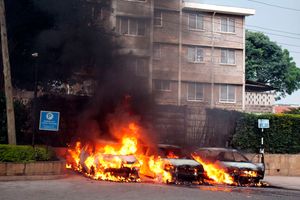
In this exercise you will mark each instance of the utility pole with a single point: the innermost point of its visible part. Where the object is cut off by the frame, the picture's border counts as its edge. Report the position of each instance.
(11, 130)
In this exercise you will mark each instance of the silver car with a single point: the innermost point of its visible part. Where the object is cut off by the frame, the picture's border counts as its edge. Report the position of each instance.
(238, 166)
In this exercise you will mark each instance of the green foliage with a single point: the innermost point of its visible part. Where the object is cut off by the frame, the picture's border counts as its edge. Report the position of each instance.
(43, 154)
(268, 63)
(21, 119)
(283, 136)
(14, 153)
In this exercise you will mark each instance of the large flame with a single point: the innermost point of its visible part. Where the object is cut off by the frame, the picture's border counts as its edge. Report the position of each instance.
(157, 166)
(99, 161)
(95, 160)
(214, 172)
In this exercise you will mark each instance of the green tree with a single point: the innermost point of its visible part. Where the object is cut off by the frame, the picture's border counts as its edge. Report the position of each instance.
(267, 62)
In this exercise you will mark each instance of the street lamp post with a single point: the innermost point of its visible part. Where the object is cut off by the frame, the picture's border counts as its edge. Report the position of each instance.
(35, 55)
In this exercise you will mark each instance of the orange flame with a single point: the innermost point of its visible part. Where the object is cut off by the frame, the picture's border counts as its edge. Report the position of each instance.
(157, 165)
(98, 161)
(249, 173)
(214, 172)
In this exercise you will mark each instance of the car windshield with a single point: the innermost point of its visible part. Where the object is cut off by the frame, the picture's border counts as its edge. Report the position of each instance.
(238, 157)
(221, 155)
(230, 156)
(171, 152)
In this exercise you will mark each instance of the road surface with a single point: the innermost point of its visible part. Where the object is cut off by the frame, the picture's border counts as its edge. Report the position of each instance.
(76, 187)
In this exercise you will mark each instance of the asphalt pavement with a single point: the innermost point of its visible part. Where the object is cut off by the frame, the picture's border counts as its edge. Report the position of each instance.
(76, 187)
(287, 182)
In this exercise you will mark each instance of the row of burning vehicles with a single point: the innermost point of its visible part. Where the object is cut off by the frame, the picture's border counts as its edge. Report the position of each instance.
(127, 161)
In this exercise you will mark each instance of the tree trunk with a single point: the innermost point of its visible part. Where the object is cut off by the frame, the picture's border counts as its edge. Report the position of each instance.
(11, 130)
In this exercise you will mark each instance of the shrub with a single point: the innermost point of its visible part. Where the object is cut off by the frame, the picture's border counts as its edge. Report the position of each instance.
(283, 136)
(14, 153)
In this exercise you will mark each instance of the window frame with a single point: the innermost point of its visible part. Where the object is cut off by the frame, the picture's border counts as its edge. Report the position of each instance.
(161, 85)
(227, 56)
(160, 18)
(137, 22)
(228, 25)
(133, 63)
(195, 54)
(137, 72)
(155, 50)
(196, 21)
(227, 100)
(195, 91)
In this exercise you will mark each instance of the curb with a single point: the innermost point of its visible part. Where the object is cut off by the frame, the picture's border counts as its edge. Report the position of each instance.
(33, 177)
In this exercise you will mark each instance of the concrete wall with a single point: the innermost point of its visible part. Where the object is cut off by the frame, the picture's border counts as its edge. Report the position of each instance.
(32, 168)
(280, 164)
(259, 102)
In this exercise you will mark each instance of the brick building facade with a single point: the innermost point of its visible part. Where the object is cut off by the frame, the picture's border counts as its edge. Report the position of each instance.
(190, 53)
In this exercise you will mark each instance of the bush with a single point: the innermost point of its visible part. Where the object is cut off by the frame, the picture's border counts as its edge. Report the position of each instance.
(283, 136)
(14, 153)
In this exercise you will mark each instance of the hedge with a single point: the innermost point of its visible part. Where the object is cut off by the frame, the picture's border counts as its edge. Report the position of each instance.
(283, 136)
(18, 153)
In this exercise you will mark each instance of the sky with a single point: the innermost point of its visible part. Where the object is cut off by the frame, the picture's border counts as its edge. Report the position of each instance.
(285, 25)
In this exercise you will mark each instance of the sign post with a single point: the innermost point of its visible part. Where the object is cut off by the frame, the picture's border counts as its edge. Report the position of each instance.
(49, 121)
(262, 123)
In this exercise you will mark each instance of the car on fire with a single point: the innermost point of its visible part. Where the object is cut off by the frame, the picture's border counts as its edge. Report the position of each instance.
(181, 167)
(111, 167)
(238, 166)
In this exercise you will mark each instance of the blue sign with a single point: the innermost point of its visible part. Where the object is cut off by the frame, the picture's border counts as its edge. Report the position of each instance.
(263, 123)
(49, 121)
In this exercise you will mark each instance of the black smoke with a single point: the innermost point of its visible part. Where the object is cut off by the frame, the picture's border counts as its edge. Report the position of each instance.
(74, 43)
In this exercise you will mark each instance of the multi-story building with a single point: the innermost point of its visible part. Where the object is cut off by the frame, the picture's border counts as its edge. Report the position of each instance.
(190, 53)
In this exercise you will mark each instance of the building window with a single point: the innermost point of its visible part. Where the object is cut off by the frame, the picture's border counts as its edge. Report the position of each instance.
(195, 92)
(196, 21)
(157, 18)
(156, 51)
(131, 26)
(228, 24)
(162, 85)
(227, 93)
(228, 56)
(195, 54)
(139, 66)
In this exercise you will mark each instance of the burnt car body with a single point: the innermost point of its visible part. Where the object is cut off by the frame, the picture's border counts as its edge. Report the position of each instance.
(182, 168)
(239, 167)
(127, 168)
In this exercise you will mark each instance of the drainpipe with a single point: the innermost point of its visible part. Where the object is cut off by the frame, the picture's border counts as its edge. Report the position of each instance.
(244, 66)
(212, 59)
(179, 57)
(150, 71)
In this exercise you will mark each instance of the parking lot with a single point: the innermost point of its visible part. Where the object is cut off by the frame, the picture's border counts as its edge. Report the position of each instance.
(78, 187)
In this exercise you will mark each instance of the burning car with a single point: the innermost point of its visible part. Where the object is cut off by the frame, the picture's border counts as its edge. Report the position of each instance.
(237, 168)
(171, 165)
(107, 161)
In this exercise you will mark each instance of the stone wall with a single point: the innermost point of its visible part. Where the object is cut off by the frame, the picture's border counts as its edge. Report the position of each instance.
(32, 168)
(280, 164)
